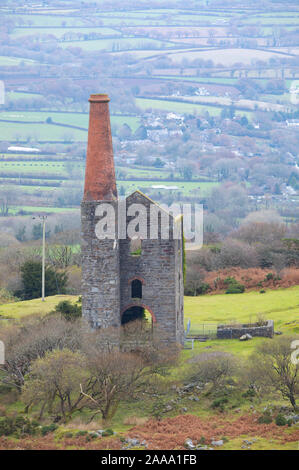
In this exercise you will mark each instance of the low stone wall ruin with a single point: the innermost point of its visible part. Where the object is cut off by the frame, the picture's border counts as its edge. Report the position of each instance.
(231, 332)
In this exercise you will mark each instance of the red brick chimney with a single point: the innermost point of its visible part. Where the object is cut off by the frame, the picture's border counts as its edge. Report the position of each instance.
(100, 182)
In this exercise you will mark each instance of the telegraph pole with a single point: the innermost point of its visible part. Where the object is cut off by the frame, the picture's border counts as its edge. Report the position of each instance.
(43, 256)
(43, 218)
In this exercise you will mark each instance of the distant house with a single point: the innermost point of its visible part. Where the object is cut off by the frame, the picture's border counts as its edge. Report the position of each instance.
(292, 122)
(23, 149)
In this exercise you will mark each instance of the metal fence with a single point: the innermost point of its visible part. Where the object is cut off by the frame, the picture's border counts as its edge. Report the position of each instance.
(205, 330)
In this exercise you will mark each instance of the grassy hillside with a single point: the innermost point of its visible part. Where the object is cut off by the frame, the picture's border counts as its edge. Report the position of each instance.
(29, 307)
(280, 305)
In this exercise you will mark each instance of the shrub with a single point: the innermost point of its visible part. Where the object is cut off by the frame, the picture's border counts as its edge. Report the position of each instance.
(6, 426)
(235, 289)
(49, 428)
(55, 282)
(280, 420)
(265, 418)
(81, 433)
(18, 425)
(233, 286)
(107, 432)
(219, 403)
(250, 393)
(68, 310)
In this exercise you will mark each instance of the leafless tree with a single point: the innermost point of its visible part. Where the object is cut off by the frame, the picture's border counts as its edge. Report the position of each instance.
(272, 368)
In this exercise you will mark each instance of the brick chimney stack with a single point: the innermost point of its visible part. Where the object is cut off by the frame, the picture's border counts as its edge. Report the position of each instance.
(100, 182)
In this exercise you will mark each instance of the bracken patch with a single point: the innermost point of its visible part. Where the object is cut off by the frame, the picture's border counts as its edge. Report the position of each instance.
(171, 433)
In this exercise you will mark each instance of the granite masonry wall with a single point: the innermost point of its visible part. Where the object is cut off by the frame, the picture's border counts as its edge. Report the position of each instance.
(224, 332)
(159, 268)
(100, 272)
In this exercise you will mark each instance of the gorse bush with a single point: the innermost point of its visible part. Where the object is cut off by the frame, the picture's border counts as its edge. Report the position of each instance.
(280, 420)
(68, 310)
(18, 426)
(265, 418)
(233, 286)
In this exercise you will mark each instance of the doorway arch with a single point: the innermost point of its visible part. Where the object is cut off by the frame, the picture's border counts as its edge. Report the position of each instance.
(138, 311)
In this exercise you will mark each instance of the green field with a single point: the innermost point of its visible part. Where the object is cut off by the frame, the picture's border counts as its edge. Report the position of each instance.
(216, 81)
(46, 20)
(59, 32)
(176, 106)
(39, 210)
(280, 20)
(118, 44)
(41, 131)
(14, 96)
(29, 307)
(186, 188)
(280, 305)
(9, 61)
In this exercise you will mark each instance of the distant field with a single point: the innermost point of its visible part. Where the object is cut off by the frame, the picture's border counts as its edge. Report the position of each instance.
(227, 57)
(8, 61)
(42, 209)
(181, 107)
(186, 188)
(117, 44)
(146, 103)
(58, 32)
(14, 131)
(39, 133)
(14, 96)
(47, 20)
(240, 104)
(224, 56)
(280, 20)
(34, 167)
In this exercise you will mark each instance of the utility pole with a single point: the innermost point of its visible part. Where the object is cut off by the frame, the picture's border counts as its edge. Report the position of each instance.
(43, 256)
(43, 218)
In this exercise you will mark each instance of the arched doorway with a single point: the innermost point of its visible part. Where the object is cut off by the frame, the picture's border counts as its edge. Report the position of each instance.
(133, 313)
(136, 318)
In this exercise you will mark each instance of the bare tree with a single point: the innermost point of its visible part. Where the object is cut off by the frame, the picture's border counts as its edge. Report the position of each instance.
(53, 383)
(272, 368)
(215, 368)
(31, 340)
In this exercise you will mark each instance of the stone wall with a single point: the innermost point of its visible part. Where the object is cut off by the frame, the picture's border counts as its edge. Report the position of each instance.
(226, 332)
(100, 272)
(159, 267)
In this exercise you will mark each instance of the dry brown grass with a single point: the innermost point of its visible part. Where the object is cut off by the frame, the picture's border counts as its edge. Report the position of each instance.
(135, 421)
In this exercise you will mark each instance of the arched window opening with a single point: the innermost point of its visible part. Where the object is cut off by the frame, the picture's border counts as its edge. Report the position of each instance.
(136, 289)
